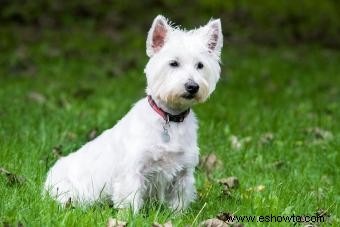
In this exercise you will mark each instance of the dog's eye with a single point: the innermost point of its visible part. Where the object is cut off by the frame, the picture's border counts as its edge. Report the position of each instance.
(200, 65)
(174, 64)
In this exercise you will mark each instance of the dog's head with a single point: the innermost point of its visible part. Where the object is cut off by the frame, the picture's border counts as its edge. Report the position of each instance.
(184, 65)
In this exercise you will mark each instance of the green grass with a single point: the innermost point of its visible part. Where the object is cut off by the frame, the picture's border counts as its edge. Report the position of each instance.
(86, 80)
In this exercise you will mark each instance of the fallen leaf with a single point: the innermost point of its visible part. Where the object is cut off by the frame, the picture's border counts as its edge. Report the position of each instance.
(92, 134)
(57, 151)
(210, 162)
(213, 222)
(71, 135)
(278, 164)
(167, 224)
(267, 138)
(237, 143)
(322, 213)
(12, 178)
(68, 204)
(112, 222)
(259, 188)
(319, 134)
(230, 182)
(226, 217)
(37, 97)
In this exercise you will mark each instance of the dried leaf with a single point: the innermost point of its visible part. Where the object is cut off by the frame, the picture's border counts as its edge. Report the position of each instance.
(112, 222)
(322, 213)
(92, 134)
(57, 151)
(319, 134)
(12, 178)
(267, 138)
(71, 135)
(278, 164)
(259, 188)
(230, 182)
(37, 97)
(68, 204)
(210, 162)
(235, 143)
(213, 222)
(226, 217)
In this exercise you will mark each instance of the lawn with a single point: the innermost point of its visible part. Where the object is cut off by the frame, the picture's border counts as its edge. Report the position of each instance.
(273, 122)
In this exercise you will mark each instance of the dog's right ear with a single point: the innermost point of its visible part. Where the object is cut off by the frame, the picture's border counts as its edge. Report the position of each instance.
(157, 35)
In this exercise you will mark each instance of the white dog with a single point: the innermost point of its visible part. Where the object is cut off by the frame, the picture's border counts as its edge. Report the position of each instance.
(152, 152)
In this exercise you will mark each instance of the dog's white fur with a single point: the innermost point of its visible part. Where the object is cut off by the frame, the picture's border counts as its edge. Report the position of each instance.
(130, 163)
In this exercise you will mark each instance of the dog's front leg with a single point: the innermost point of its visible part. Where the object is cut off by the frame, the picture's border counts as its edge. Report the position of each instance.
(129, 193)
(182, 190)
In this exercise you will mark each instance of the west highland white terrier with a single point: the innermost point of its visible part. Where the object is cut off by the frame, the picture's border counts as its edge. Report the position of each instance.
(152, 152)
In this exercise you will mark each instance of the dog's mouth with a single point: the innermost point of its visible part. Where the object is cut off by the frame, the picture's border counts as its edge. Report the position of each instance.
(188, 96)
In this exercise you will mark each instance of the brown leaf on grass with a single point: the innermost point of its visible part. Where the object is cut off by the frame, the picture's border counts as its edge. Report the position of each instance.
(57, 151)
(230, 182)
(210, 162)
(112, 222)
(213, 222)
(12, 178)
(227, 217)
(167, 224)
(267, 138)
(278, 164)
(260, 188)
(71, 135)
(238, 143)
(36, 97)
(68, 204)
(322, 213)
(319, 134)
(92, 134)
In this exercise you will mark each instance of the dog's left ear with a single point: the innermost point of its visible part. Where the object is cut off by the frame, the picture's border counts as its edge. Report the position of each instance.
(213, 33)
(157, 35)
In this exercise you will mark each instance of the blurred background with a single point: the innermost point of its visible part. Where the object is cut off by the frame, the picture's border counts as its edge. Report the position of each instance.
(76, 28)
(35, 33)
(70, 69)
(264, 21)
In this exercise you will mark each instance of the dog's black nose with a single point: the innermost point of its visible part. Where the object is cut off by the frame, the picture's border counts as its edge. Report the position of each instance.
(191, 87)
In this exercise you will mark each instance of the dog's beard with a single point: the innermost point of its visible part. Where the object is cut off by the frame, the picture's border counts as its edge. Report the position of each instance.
(177, 98)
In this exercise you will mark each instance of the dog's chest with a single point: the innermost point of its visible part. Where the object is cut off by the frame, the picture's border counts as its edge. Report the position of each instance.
(162, 159)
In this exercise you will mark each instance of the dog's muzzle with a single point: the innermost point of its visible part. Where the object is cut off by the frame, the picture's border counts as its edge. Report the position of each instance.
(191, 87)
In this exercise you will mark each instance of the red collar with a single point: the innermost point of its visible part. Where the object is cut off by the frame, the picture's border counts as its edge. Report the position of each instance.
(167, 116)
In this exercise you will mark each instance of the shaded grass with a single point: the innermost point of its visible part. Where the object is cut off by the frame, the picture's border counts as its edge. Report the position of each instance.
(86, 80)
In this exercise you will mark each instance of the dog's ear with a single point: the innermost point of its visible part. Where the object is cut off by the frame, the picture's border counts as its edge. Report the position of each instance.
(157, 35)
(213, 33)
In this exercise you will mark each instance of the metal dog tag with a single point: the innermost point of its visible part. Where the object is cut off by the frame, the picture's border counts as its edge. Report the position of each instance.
(165, 135)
